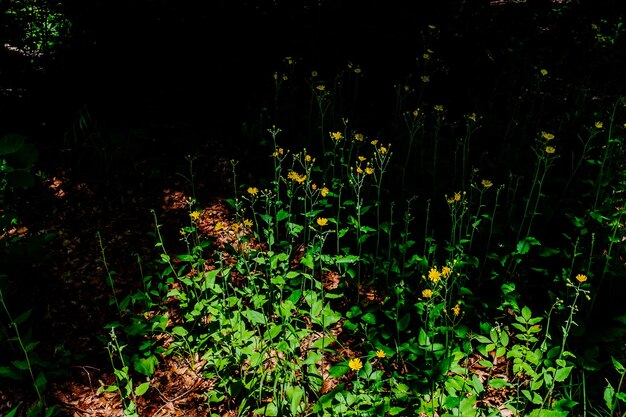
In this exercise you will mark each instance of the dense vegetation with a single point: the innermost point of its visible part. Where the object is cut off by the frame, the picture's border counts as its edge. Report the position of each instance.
(430, 229)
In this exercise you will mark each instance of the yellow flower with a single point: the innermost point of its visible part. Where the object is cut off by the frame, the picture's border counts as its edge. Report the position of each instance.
(336, 135)
(425, 79)
(381, 354)
(324, 191)
(543, 72)
(275, 76)
(427, 293)
(374, 142)
(278, 152)
(457, 196)
(235, 227)
(320, 87)
(456, 310)
(547, 136)
(599, 124)
(293, 175)
(322, 221)
(426, 56)
(486, 183)
(359, 137)
(253, 190)
(359, 170)
(446, 271)
(284, 77)
(406, 88)
(416, 112)
(218, 226)
(313, 73)
(581, 278)
(247, 222)
(314, 186)
(472, 117)
(382, 150)
(195, 215)
(438, 107)
(357, 70)
(355, 364)
(308, 158)
(434, 275)
(550, 149)
(361, 158)
(369, 170)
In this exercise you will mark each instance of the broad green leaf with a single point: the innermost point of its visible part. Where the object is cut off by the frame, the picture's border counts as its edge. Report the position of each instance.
(563, 373)
(369, 318)
(142, 388)
(254, 316)
(403, 323)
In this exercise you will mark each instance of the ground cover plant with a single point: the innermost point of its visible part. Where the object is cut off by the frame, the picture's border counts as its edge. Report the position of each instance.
(405, 254)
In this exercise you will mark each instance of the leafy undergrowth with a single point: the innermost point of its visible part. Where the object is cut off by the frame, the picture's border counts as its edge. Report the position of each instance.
(368, 263)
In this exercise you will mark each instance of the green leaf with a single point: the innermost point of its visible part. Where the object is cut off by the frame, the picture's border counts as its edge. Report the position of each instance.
(498, 383)
(146, 366)
(268, 409)
(9, 372)
(180, 331)
(524, 245)
(11, 143)
(563, 373)
(13, 412)
(609, 393)
(339, 370)
(254, 316)
(369, 318)
(618, 366)
(186, 258)
(544, 412)
(142, 388)
(403, 323)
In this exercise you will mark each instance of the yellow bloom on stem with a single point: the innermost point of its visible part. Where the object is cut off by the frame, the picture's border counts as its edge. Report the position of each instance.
(416, 112)
(253, 190)
(324, 191)
(359, 137)
(336, 135)
(581, 278)
(355, 364)
(546, 135)
(322, 221)
(550, 149)
(374, 142)
(457, 196)
(361, 158)
(456, 310)
(195, 215)
(427, 293)
(308, 158)
(314, 186)
(543, 72)
(446, 271)
(425, 79)
(434, 275)
(438, 107)
(320, 87)
(486, 183)
(382, 150)
(381, 354)
(247, 222)
(369, 170)
(359, 170)
(599, 125)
